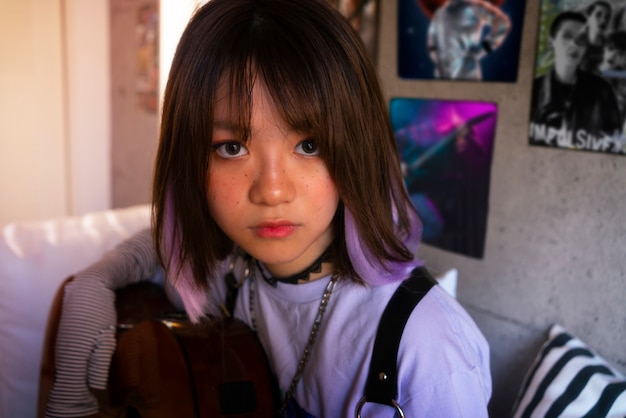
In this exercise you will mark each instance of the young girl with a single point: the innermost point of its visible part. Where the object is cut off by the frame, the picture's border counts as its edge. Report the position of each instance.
(276, 156)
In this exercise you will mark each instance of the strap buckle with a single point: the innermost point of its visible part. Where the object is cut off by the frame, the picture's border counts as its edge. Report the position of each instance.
(363, 401)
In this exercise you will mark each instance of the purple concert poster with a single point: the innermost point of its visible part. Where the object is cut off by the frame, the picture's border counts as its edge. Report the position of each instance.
(475, 40)
(445, 149)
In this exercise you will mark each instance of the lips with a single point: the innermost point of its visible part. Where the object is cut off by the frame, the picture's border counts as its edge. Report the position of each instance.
(274, 229)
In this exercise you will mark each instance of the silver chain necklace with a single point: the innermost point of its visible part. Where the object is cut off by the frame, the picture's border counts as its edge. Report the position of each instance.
(306, 353)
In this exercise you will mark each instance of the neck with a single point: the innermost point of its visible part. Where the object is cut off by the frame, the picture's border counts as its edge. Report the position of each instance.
(566, 74)
(321, 267)
(595, 37)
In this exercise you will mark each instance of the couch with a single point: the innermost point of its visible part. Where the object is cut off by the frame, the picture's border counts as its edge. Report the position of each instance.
(35, 258)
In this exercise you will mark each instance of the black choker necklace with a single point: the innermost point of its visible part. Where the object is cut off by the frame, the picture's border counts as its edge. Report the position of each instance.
(303, 276)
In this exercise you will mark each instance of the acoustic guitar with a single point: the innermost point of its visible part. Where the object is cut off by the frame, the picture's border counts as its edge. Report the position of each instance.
(164, 366)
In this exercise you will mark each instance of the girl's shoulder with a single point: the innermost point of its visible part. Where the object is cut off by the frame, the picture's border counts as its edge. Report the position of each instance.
(442, 340)
(440, 318)
(442, 345)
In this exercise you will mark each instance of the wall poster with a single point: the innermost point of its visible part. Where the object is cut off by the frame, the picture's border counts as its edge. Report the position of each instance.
(147, 33)
(460, 39)
(363, 16)
(579, 90)
(446, 148)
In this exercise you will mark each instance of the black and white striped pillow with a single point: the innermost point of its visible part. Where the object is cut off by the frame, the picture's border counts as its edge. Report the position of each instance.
(568, 379)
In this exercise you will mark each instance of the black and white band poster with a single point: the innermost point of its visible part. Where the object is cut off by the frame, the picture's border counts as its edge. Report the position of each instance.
(579, 87)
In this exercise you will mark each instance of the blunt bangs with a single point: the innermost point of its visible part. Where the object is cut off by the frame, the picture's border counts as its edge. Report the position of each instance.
(241, 42)
(312, 96)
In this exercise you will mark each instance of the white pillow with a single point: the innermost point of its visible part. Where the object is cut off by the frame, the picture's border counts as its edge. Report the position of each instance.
(568, 379)
(448, 281)
(35, 257)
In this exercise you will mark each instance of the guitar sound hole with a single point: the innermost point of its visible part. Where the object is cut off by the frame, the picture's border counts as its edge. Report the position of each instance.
(132, 413)
(237, 397)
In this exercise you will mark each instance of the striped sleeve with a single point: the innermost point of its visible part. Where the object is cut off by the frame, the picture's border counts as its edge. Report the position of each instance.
(86, 338)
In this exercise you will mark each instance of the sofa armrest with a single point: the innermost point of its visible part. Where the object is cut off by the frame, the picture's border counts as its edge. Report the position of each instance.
(35, 258)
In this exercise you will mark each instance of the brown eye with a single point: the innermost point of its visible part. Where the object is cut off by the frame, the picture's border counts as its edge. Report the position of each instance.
(230, 149)
(307, 147)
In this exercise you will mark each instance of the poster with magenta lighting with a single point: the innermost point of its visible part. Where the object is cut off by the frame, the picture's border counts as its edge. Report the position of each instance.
(445, 149)
(475, 40)
(579, 87)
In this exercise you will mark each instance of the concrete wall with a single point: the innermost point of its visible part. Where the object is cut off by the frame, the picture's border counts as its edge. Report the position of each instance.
(556, 233)
(134, 138)
(134, 128)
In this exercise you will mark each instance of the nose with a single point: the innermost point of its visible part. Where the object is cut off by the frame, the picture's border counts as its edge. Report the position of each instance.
(272, 183)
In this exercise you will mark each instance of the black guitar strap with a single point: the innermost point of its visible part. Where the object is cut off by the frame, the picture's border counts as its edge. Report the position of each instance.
(382, 381)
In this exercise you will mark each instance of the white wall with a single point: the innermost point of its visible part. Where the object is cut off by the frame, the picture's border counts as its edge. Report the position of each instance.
(174, 17)
(88, 92)
(32, 129)
(55, 133)
(53, 108)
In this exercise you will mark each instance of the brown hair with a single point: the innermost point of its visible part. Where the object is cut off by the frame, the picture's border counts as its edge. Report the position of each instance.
(317, 71)
(600, 3)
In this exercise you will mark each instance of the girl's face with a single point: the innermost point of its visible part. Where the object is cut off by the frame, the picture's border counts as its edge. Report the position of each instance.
(273, 196)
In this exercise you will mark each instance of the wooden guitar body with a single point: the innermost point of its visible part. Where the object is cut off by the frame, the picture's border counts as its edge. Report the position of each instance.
(164, 366)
